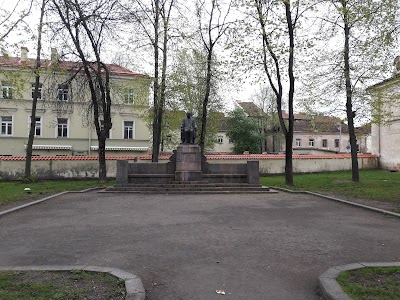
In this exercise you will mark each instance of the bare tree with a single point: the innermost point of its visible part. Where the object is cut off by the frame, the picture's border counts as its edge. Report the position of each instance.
(28, 161)
(273, 64)
(86, 24)
(10, 20)
(153, 19)
(213, 24)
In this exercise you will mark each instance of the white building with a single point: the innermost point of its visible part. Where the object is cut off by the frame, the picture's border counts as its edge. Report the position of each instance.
(64, 123)
(386, 129)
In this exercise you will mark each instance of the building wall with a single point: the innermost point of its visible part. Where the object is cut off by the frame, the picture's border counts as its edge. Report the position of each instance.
(81, 135)
(223, 145)
(385, 135)
(318, 141)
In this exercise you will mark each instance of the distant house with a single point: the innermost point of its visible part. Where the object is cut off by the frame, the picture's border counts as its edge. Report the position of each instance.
(223, 143)
(386, 131)
(312, 134)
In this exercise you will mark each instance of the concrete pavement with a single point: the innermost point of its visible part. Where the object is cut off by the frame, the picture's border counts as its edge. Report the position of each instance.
(271, 246)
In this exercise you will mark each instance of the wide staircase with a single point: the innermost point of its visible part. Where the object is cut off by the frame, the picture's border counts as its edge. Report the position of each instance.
(187, 172)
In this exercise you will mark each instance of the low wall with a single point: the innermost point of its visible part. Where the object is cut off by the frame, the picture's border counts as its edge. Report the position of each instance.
(12, 167)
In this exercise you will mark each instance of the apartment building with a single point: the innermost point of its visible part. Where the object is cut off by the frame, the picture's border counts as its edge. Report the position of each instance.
(64, 117)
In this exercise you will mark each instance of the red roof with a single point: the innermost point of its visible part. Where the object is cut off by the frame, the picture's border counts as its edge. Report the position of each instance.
(15, 62)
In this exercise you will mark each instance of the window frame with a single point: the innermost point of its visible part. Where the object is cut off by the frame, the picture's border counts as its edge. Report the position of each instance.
(36, 127)
(63, 92)
(125, 135)
(311, 143)
(8, 125)
(39, 91)
(8, 89)
(324, 143)
(220, 139)
(337, 143)
(129, 96)
(66, 127)
(298, 142)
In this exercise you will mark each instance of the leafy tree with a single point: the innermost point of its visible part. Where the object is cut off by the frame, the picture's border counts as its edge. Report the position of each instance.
(187, 83)
(343, 71)
(244, 132)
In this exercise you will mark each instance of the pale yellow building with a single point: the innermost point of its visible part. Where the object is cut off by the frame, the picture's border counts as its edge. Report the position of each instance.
(64, 124)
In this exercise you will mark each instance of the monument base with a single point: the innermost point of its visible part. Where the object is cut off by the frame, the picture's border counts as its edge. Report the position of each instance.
(188, 163)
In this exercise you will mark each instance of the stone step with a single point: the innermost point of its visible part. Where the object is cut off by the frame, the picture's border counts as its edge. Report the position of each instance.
(191, 192)
(188, 189)
(188, 185)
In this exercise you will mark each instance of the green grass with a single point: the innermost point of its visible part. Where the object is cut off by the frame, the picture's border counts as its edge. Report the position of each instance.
(60, 285)
(374, 184)
(371, 283)
(13, 192)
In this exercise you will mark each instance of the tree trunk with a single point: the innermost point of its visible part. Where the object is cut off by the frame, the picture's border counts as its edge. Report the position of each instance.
(102, 159)
(289, 133)
(349, 106)
(163, 82)
(156, 126)
(28, 160)
(205, 102)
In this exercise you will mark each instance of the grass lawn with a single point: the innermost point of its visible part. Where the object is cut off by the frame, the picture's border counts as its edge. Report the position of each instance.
(13, 192)
(371, 283)
(61, 285)
(378, 185)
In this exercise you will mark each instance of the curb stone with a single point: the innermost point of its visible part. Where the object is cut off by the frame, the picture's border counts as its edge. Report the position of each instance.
(331, 289)
(133, 284)
(2, 213)
(371, 208)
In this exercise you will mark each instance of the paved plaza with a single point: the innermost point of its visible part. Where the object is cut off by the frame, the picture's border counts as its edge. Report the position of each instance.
(266, 246)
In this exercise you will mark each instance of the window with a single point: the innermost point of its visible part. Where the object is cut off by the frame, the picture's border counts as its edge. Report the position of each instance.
(6, 125)
(336, 143)
(102, 127)
(324, 143)
(129, 96)
(62, 127)
(63, 92)
(39, 91)
(128, 129)
(231, 141)
(298, 142)
(7, 89)
(220, 139)
(38, 125)
(311, 142)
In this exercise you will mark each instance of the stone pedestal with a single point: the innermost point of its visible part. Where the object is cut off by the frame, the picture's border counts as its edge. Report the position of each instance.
(188, 163)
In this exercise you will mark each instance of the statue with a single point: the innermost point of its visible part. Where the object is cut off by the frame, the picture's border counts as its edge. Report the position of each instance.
(188, 130)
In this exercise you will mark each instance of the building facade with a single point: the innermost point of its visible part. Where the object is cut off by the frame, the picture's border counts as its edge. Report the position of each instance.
(386, 129)
(64, 117)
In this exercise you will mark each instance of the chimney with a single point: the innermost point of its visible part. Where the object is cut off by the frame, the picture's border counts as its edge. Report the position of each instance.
(54, 55)
(24, 53)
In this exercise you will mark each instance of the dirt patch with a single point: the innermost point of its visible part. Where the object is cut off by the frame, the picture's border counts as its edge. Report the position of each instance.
(76, 285)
